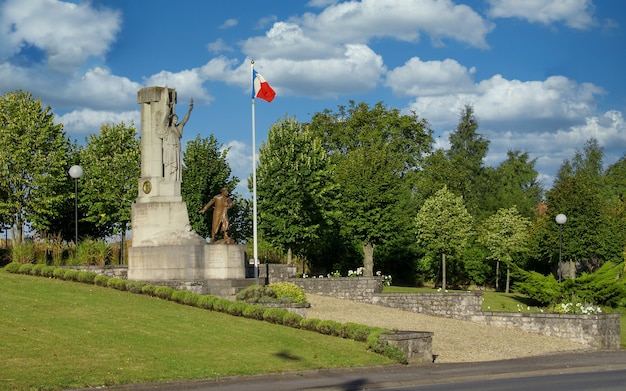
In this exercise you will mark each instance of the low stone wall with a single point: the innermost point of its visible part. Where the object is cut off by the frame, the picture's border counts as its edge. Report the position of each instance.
(111, 271)
(600, 331)
(455, 305)
(349, 288)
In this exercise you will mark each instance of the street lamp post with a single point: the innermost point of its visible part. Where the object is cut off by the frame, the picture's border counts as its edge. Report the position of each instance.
(76, 172)
(560, 220)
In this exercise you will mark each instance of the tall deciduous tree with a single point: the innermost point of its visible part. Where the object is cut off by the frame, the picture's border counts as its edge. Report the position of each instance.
(377, 151)
(505, 234)
(205, 173)
(111, 166)
(444, 226)
(295, 193)
(33, 163)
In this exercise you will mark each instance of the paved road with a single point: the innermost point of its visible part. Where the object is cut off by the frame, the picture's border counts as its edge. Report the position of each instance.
(612, 363)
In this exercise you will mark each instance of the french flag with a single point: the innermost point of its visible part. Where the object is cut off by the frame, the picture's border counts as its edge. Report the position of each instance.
(261, 88)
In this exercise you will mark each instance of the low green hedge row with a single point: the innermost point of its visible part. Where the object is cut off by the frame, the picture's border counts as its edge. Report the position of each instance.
(361, 333)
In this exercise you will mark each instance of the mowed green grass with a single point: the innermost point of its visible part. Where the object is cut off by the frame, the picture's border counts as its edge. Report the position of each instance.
(59, 335)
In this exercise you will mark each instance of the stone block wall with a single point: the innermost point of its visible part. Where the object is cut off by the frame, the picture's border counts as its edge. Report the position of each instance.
(455, 305)
(360, 289)
(111, 271)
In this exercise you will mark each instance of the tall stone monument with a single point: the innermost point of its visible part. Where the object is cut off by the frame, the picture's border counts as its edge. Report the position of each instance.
(164, 246)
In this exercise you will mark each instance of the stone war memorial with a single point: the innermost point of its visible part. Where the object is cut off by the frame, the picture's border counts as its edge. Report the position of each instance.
(165, 249)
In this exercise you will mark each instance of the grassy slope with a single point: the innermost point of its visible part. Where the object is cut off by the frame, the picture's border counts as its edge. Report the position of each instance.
(57, 334)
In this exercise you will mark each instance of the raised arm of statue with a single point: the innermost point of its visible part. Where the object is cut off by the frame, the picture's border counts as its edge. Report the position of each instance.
(186, 118)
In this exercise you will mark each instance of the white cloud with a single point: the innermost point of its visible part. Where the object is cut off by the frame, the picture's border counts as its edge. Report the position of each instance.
(219, 45)
(228, 23)
(98, 88)
(577, 14)
(188, 84)
(66, 33)
(422, 78)
(88, 121)
(239, 159)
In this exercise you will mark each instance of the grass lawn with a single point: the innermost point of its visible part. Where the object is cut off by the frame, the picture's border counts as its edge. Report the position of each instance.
(506, 302)
(57, 335)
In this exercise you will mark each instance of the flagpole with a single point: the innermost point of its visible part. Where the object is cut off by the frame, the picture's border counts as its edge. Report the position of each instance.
(254, 211)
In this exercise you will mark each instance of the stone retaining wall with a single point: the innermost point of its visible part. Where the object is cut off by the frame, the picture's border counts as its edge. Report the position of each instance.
(455, 305)
(111, 271)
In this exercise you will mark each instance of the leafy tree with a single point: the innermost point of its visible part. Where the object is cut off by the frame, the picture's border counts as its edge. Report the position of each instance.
(296, 196)
(377, 152)
(505, 234)
(444, 226)
(111, 165)
(205, 173)
(33, 163)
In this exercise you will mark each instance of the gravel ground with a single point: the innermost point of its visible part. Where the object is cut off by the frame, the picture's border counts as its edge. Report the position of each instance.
(453, 341)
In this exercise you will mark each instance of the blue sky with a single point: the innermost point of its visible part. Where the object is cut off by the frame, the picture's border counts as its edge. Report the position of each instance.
(543, 76)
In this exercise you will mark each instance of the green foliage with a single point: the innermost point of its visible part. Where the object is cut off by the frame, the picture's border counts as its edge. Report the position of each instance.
(206, 301)
(13, 267)
(252, 311)
(355, 331)
(329, 327)
(546, 290)
(37, 270)
(70, 275)
(380, 346)
(58, 273)
(48, 271)
(111, 165)
(25, 268)
(23, 252)
(179, 296)
(236, 308)
(117, 283)
(221, 305)
(205, 172)
(92, 252)
(101, 280)
(288, 292)
(257, 294)
(86, 277)
(309, 324)
(135, 286)
(274, 315)
(292, 320)
(33, 164)
(163, 292)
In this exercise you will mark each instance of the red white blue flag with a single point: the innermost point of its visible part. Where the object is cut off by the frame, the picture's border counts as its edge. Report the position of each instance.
(261, 88)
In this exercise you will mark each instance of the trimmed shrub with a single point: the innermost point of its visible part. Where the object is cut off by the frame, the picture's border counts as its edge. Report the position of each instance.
(101, 280)
(37, 269)
(148, 290)
(48, 271)
(384, 348)
(329, 327)
(86, 277)
(309, 324)
(252, 311)
(257, 294)
(179, 296)
(288, 292)
(292, 320)
(70, 275)
(206, 301)
(135, 286)
(192, 299)
(25, 268)
(163, 292)
(117, 283)
(58, 273)
(13, 267)
(274, 315)
(236, 308)
(355, 331)
(221, 305)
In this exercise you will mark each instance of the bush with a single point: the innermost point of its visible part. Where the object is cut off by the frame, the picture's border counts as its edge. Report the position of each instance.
(93, 252)
(163, 292)
(221, 305)
(274, 315)
(148, 290)
(58, 273)
(355, 331)
(70, 275)
(329, 327)
(13, 267)
(86, 277)
(236, 308)
(48, 271)
(309, 324)
(257, 294)
(37, 269)
(179, 296)
(23, 252)
(101, 280)
(288, 292)
(25, 268)
(135, 286)
(206, 301)
(292, 320)
(192, 299)
(117, 283)
(384, 348)
(252, 311)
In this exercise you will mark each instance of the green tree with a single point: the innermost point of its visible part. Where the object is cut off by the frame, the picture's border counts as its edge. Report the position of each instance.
(108, 188)
(33, 163)
(205, 173)
(505, 234)
(296, 196)
(377, 152)
(444, 226)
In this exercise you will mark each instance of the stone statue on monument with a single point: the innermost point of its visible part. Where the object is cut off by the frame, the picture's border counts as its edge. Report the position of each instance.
(221, 202)
(171, 135)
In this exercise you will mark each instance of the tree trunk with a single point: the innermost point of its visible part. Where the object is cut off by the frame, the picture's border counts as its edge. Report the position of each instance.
(443, 271)
(368, 260)
(497, 275)
(508, 278)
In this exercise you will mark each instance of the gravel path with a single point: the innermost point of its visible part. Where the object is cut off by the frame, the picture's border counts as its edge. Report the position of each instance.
(453, 341)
